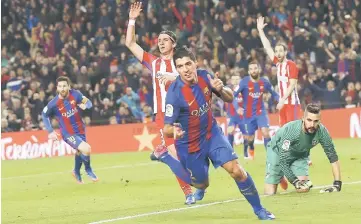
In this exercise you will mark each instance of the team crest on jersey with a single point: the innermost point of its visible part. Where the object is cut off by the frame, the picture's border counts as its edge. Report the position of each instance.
(286, 145)
(314, 142)
(261, 88)
(72, 102)
(206, 91)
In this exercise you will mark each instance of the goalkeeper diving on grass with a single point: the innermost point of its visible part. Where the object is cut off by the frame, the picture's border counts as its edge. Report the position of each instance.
(288, 151)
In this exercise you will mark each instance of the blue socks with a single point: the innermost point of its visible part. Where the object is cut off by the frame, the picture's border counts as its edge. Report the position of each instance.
(78, 162)
(266, 140)
(231, 139)
(245, 148)
(177, 168)
(86, 160)
(249, 191)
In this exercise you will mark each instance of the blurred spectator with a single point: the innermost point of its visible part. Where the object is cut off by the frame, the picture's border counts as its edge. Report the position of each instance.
(85, 40)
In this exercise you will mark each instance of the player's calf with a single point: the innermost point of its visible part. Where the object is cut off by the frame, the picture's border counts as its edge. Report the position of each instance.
(235, 170)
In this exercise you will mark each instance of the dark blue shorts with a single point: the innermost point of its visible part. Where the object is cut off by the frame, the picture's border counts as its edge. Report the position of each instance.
(217, 150)
(237, 122)
(74, 140)
(252, 124)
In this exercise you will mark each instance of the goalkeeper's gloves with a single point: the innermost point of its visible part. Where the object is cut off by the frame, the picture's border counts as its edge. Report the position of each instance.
(337, 184)
(302, 185)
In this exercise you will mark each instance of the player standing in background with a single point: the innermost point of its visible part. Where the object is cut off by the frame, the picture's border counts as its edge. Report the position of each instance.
(189, 119)
(162, 69)
(287, 75)
(252, 88)
(288, 152)
(236, 119)
(64, 107)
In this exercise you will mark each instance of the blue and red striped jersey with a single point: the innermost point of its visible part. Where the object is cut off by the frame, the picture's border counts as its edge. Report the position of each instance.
(190, 105)
(230, 109)
(252, 93)
(67, 113)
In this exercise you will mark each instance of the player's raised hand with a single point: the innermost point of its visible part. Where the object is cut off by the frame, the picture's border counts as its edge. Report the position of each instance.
(178, 131)
(302, 186)
(135, 10)
(163, 79)
(260, 23)
(216, 83)
(53, 136)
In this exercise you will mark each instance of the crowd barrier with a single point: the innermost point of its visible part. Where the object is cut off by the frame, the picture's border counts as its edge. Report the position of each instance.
(341, 123)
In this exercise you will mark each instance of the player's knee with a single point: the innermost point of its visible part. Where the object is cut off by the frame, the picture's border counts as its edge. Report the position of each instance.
(265, 133)
(85, 149)
(251, 141)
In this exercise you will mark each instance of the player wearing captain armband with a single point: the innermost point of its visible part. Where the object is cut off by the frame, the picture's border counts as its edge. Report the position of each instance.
(288, 151)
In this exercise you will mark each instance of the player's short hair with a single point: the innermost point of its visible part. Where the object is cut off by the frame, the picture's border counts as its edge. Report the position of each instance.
(313, 108)
(171, 35)
(63, 79)
(183, 52)
(254, 63)
(283, 45)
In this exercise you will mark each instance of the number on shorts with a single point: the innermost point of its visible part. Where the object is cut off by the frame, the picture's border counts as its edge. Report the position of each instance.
(71, 139)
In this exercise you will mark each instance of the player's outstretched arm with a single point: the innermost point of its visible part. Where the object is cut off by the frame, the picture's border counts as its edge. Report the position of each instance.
(266, 44)
(130, 40)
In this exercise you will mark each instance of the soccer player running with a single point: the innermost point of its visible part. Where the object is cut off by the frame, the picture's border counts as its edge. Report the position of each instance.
(65, 107)
(163, 70)
(189, 119)
(252, 88)
(287, 75)
(236, 118)
(288, 151)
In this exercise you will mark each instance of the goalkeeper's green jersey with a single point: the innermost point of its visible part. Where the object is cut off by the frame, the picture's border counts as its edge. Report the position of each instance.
(292, 143)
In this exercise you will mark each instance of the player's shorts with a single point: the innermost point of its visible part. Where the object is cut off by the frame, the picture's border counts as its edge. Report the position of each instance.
(159, 120)
(217, 150)
(252, 124)
(237, 122)
(289, 113)
(74, 140)
(273, 169)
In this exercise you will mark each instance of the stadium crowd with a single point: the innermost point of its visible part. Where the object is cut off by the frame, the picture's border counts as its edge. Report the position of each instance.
(85, 40)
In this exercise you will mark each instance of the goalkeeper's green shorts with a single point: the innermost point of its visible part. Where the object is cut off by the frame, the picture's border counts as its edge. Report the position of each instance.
(273, 169)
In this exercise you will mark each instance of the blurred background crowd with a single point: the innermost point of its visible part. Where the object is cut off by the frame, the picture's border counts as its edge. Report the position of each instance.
(85, 40)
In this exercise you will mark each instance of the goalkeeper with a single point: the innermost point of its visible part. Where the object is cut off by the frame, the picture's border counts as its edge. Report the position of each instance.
(288, 151)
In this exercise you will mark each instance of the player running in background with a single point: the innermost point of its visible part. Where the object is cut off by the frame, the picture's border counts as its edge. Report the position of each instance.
(64, 107)
(189, 119)
(162, 69)
(236, 119)
(288, 151)
(252, 88)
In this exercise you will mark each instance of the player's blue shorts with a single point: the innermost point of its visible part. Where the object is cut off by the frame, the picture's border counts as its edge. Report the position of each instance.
(252, 124)
(237, 122)
(74, 140)
(217, 150)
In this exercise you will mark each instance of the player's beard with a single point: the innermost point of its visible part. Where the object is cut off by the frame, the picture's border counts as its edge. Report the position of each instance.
(310, 130)
(255, 76)
(64, 94)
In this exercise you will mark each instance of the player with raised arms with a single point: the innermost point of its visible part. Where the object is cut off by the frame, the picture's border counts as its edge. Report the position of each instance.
(162, 69)
(65, 107)
(199, 139)
(252, 88)
(288, 151)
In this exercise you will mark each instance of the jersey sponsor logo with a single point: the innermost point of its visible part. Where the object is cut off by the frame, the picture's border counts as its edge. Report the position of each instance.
(206, 91)
(70, 113)
(255, 95)
(202, 109)
(169, 110)
(314, 142)
(286, 145)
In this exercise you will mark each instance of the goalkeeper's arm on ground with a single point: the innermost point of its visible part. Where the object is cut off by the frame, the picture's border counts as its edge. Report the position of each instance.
(329, 149)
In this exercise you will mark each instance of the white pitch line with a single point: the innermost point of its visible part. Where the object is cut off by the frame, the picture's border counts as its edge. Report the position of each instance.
(62, 172)
(196, 206)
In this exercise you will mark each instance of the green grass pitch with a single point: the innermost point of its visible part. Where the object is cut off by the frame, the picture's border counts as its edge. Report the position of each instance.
(133, 189)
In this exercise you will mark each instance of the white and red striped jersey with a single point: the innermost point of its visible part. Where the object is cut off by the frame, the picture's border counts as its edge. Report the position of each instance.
(159, 67)
(287, 70)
